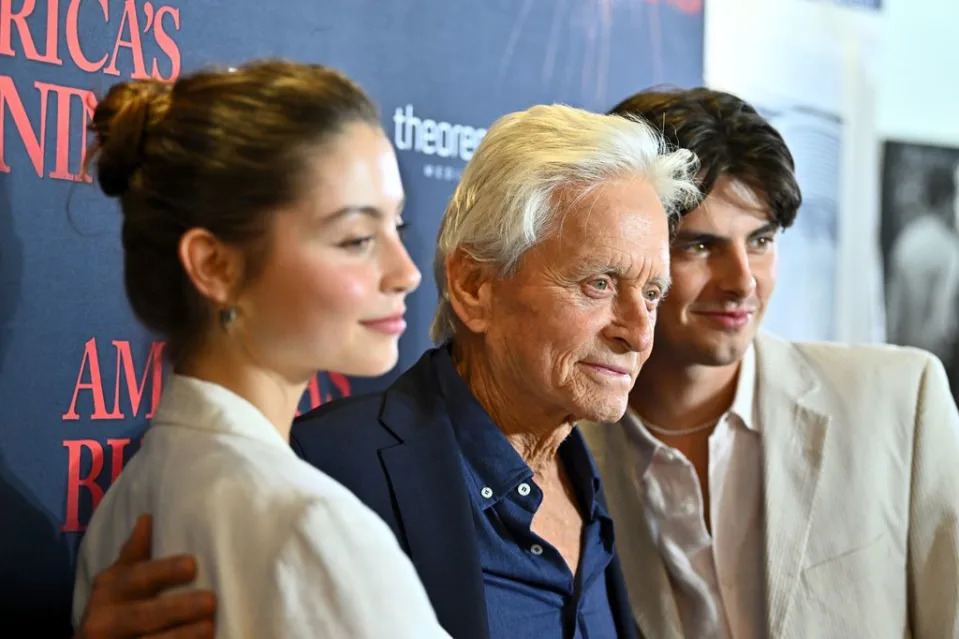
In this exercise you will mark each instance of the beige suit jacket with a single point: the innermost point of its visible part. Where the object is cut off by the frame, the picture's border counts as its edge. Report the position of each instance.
(861, 497)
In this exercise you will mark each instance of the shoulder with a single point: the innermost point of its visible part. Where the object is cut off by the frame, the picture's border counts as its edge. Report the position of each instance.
(841, 363)
(350, 422)
(344, 439)
(860, 358)
(855, 382)
(261, 482)
(345, 408)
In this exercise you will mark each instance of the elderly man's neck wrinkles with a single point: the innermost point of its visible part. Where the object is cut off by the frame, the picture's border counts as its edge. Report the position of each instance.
(535, 435)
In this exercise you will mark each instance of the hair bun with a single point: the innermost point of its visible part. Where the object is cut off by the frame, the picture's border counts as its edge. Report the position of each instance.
(120, 123)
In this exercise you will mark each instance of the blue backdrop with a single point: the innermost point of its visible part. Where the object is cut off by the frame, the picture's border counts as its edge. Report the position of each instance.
(78, 376)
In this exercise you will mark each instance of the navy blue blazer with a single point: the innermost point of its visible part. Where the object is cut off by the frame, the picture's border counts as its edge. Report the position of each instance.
(396, 452)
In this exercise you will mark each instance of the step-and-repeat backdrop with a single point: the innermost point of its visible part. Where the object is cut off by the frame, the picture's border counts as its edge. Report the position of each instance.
(78, 377)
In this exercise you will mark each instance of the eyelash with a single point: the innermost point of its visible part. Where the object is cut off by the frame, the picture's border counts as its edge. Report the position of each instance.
(766, 241)
(604, 280)
(357, 243)
(698, 248)
(655, 300)
(362, 242)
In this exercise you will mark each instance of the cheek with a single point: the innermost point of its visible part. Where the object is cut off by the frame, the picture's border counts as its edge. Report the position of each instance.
(349, 291)
(546, 345)
(676, 301)
(521, 318)
(765, 274)
(575, 335)
(689, 282)
(311, 286)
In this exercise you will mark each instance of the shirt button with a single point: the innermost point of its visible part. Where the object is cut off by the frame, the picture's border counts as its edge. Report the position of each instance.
(523, 489)
(688, 507)
(487, 492)
(536, 549)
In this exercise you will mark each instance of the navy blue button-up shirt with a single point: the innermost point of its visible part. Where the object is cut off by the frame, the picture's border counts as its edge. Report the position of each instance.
(530, 591)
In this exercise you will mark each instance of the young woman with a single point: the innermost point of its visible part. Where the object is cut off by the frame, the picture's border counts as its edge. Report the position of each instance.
(261, 217)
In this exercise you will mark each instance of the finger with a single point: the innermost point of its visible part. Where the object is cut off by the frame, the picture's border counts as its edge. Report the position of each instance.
(149, 578)
(137, 546)
(166, 613)
(199, 630)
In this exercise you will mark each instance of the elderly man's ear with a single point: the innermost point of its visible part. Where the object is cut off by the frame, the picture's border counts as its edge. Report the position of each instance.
(470, 283)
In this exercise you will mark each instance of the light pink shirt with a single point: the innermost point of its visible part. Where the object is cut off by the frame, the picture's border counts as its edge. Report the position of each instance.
(717, 580)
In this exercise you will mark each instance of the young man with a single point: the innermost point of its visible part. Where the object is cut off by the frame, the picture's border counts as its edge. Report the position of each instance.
(764, 488)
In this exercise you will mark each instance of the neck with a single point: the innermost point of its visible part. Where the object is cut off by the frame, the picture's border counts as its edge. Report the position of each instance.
(270, 392)
(535, 435)
(679, 397)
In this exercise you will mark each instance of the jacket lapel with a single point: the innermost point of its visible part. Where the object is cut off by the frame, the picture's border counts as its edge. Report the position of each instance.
(626, 624)
(647, 582)
(432, 502)
(652, 600)
(795, 436)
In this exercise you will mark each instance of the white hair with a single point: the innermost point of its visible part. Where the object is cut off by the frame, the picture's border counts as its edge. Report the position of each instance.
(506, 201)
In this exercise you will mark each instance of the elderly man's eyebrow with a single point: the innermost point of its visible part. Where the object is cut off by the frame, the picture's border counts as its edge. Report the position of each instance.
(598, 267)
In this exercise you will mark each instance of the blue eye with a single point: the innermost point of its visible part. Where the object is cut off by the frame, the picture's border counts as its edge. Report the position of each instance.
(601, 284)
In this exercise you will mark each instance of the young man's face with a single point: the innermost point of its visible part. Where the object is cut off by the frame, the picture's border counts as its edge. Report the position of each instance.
(723, 266)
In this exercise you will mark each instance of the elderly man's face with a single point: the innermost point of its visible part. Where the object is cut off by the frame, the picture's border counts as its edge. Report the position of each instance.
(573, 326)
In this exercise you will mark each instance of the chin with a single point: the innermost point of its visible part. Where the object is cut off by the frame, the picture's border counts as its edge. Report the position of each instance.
(370, 364)
(605, 412)
(724, 353)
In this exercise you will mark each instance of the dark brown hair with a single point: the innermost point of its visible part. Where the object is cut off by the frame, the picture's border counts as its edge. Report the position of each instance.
(730, 139)
(217, 149)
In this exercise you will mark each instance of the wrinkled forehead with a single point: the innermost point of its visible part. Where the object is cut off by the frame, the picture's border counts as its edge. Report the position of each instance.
(628, 209)
(622, 227)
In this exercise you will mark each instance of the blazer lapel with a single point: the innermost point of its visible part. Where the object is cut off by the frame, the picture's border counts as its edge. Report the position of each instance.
(794, 441)
(647, 582)
(626, 625)
(433, 509)
(653, 604)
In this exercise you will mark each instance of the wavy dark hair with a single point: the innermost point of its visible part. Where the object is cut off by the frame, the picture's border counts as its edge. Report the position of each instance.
(729, 137)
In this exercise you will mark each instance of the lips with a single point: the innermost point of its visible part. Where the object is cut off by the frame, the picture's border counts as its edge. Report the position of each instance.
(728, 319)
(609, 369)
(390, 325)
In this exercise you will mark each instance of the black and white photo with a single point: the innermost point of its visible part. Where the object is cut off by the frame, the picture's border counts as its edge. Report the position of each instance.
(920, 247)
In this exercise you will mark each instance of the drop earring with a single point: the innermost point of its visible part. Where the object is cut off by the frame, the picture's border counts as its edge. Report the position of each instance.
(227, 316)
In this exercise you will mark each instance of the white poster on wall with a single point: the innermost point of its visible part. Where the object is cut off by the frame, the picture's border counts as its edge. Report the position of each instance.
(802, 308)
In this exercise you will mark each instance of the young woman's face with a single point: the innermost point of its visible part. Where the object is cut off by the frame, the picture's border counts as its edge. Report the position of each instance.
(330, 295)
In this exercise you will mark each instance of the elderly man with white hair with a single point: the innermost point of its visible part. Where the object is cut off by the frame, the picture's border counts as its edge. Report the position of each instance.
(552, 259)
